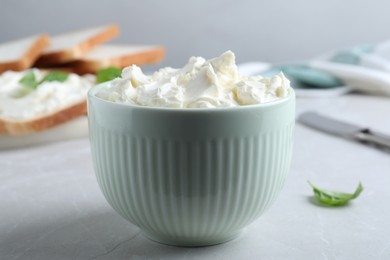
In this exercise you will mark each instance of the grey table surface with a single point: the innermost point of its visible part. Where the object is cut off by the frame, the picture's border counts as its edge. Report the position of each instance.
(51, 206)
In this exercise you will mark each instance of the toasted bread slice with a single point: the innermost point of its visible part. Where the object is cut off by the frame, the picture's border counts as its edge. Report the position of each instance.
(76, 128)
(118, 56)
(71, 46)
(28, 109)
(21, 54)
(22, 127)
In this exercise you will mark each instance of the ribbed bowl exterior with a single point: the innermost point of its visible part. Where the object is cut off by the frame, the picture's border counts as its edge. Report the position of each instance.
(190, 188)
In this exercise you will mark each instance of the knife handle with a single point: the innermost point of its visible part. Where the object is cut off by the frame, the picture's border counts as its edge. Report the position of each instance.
(367, 136)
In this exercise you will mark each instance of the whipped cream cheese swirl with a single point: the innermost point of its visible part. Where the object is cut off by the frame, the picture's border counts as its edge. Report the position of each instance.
(199, 84)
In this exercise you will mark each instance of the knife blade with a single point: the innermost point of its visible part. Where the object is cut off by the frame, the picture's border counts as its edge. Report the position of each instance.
(343, 129)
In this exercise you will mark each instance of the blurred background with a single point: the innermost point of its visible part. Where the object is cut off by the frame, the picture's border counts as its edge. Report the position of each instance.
(256, 30)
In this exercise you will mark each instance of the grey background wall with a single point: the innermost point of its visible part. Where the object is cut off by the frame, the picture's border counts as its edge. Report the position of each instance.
(272, 31)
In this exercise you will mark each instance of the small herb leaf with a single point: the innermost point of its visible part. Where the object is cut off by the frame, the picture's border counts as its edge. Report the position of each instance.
(335, 198)
(55, 76)
(29, 80)
(107, 74)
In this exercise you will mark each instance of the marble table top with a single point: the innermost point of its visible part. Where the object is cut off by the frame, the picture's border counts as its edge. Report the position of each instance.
(51, 206)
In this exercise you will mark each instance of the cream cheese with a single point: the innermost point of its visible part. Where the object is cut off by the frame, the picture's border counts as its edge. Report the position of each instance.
(199, 84)
(20, 102)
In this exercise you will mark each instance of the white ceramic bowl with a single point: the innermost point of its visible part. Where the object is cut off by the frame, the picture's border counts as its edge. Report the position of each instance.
(191, 177)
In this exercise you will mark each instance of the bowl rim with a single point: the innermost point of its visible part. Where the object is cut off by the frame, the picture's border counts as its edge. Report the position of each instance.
(92, 96)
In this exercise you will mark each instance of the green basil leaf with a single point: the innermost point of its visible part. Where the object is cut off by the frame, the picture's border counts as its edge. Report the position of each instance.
(55, 76)
(107, 74)
(29, 80)
(335, 198)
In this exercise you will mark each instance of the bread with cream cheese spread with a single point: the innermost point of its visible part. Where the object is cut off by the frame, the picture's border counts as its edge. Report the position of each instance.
(75, 53)
(31, 108)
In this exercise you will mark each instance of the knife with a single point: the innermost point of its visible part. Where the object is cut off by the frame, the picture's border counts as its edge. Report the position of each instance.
(346, 130)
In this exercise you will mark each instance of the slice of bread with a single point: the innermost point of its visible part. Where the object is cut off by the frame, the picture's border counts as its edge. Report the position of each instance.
(76, 128)
(21, 54)
(118, 56)
(73, 45)
(56, 118)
